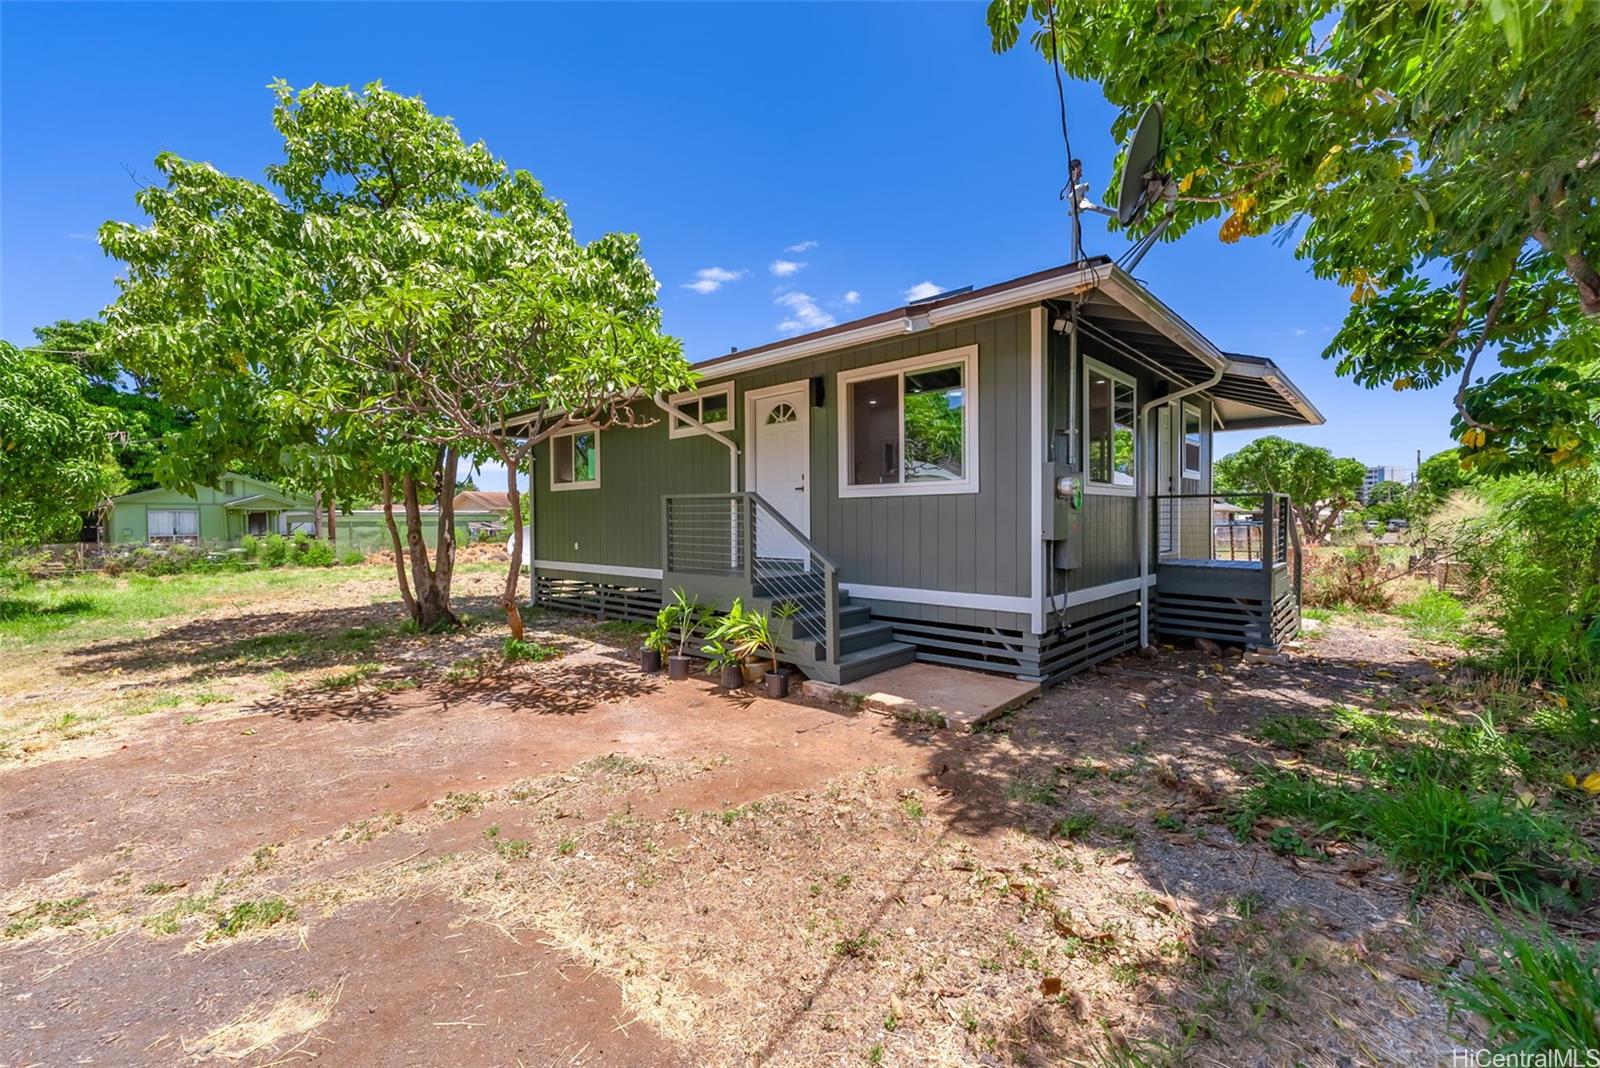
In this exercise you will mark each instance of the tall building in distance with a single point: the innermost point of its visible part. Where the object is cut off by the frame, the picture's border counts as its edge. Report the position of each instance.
(1381, 473)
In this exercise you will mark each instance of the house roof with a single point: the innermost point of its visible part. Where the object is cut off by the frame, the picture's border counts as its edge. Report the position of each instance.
(1114, 308)
(262, 487)
(258, 501)
(482, 501)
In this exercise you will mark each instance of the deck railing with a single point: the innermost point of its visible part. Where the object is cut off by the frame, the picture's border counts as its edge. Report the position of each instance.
(736, 544)
(1240, 528)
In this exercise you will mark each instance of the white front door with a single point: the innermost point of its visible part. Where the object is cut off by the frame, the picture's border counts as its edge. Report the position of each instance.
(779, 463)
(1166, 508)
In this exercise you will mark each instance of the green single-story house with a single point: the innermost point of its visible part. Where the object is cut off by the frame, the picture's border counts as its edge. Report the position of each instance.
(220, 514)
(1015, 478)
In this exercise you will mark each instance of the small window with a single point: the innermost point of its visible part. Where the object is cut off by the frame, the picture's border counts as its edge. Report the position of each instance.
(227, 488)
(910, 427)
(714, 408)
(575, 460)
(1193, 442)
(781, 413)
(1113, 407)
(174, 524)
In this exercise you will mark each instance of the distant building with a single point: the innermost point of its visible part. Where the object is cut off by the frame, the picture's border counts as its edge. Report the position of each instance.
(1381, 473)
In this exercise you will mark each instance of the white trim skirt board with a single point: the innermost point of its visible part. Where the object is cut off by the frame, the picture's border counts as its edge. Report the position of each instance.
(990, 602)
(599, 569)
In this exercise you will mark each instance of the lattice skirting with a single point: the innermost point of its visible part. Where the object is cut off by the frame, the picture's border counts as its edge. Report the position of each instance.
(604, 599)
(1227, 620)
(1053, 656)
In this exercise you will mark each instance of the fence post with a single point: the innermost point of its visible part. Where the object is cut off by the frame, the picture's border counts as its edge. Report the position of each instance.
(1269, 520)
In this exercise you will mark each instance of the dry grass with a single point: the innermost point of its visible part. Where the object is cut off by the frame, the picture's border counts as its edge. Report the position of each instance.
(266, 1029)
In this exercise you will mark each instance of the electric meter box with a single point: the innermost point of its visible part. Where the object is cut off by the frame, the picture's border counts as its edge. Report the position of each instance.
(1063, 514)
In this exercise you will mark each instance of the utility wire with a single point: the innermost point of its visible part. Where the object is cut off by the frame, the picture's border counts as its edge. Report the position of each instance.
(1074, 167)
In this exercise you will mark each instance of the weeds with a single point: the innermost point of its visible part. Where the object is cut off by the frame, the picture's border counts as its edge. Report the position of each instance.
(521, 649)
(1544, 994)
(68, 912)
(254, 916)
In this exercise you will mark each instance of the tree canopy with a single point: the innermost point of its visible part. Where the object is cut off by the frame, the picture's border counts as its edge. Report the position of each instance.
(1438, 159)
(56, 460)
(377, 312)
(1320, 486)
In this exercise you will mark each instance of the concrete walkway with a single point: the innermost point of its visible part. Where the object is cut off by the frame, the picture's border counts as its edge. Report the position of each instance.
(932, 693)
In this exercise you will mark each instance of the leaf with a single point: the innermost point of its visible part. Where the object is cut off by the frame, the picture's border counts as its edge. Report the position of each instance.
(1591, 783)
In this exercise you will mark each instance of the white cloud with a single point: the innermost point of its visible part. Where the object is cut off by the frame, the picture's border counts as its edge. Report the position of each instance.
(852, 297)
(711, 279)
(804, 246)
(785, 268)
(804, 313)
(83, 237)
(923, 290)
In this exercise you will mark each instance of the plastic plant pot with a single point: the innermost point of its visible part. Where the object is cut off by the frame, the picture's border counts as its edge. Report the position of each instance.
(777, 683)
(678, 667)
(650, 661)
(732, 677)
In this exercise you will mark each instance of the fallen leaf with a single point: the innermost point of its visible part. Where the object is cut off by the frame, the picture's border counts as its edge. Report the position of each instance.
(1591, 783)
(1050, 986)
(933, 901)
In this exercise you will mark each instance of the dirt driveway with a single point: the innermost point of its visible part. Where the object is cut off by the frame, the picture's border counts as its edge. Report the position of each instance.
(570, 863)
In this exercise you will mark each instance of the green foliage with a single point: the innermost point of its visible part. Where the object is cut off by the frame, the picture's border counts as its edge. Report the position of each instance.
(1386, 501)
(273, 551)
(55, 454)
(1432, 157)
(753, 637)
(1438, 477)
(1543, 996)
(1537, 556)
(352, 557)
(311, 552)
(522, 649)
(685, 615)
(722, 647)
(254, 916)
(1435, 616)
(1315, 480)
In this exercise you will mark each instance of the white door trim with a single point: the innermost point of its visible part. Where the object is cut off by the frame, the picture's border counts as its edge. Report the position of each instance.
(752, 432)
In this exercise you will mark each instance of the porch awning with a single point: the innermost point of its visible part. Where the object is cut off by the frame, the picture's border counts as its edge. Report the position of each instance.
(1254, 392)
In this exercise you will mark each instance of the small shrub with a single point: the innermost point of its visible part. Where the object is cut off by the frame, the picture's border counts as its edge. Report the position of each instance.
(274, 551)
(352, 557)
(310, 552)
(250, 545)
(1350, 577)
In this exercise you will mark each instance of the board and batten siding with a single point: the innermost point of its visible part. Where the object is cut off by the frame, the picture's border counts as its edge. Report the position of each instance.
(973, 543)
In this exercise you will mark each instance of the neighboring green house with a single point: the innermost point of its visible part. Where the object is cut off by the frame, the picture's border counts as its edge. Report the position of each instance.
(240, 505)
(479, 515)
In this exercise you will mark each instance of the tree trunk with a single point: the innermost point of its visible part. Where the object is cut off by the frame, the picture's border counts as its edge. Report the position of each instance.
(432, 584)
(332, 538)
(508, 599)
(399, 555)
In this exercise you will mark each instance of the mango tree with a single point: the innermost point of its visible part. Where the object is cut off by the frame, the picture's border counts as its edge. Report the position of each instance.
(1439, 159)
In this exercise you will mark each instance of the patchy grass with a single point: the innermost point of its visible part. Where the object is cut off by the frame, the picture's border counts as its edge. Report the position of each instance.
(1435, 616)
(254, 915)
(1537, 992)
(68, 912)
(523, 649)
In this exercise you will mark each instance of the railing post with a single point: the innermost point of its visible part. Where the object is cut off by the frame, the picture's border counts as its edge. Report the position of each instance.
(1269, 519)
(830, 621)
(747, 517)
(666, 538)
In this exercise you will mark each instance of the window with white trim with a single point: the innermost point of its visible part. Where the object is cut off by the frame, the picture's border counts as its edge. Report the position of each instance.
(173, 524)
(911, 426)
(1194, 442)
(712, 407)
(1110, 440)
(575, 460)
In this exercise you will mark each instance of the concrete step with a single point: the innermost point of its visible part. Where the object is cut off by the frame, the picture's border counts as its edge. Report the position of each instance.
(864, 662)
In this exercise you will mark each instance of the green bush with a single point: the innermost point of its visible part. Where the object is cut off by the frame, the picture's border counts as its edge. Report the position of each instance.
(515, 649)
(251, 546)
(352, 557)
(310, 552)
(1537, 556)
(274, 551)
(1434, 617)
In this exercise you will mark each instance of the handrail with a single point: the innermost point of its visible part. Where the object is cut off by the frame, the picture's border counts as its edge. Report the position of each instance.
(1279, 534)
(745, 561)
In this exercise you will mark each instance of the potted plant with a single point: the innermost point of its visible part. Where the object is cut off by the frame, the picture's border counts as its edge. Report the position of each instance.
(656, 642)
(684, 615)
(756, 641)
(722, 647)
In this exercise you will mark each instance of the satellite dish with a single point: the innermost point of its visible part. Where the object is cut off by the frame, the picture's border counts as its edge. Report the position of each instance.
(1140, 187)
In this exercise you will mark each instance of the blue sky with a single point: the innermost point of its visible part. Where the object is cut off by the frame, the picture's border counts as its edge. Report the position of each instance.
(874, 147)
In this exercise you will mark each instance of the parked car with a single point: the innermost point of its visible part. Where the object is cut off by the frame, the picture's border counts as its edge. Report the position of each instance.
(1398, 524)
(1371, 526)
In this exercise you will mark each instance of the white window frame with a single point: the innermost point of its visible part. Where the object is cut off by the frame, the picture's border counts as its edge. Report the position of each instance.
(1196, 473)
(679, 429)
(1111, 489)
(967, 356)
(174, 537)
(593, 483)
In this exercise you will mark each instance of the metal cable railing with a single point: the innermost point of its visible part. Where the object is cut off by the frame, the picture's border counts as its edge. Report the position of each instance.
(739, 535)
(1239, 528)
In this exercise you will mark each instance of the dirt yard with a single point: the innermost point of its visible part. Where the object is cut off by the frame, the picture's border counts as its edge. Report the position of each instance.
(305, 834)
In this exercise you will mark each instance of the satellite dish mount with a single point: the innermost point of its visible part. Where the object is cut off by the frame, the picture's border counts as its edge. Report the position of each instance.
(1141, 189)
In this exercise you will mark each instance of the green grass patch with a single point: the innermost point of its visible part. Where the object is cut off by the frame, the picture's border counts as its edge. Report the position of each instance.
(1435, 617)
(522, 649)
(1543, 996)
(68, 912)
(254, 916)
